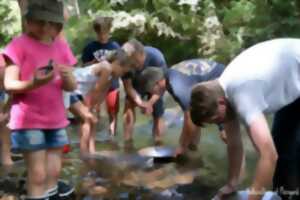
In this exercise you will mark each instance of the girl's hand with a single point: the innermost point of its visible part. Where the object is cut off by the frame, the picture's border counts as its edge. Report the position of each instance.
(64, 71)
(67, 77)
(41, 78)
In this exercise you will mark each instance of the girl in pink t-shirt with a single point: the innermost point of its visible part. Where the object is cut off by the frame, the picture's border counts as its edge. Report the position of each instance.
(38, 117)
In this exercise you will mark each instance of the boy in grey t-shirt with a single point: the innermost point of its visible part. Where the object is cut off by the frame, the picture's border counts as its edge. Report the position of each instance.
(263, 79)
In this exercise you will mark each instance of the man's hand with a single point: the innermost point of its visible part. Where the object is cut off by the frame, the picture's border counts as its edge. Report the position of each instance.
(180, 151)
(147, 108)
(226, 190)
(223, 136)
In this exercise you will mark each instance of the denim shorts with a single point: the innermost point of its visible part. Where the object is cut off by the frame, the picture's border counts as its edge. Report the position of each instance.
(75, 98)
(38, 139)
(2, 96)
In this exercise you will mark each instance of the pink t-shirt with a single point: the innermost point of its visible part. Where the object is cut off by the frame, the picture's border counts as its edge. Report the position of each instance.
(41, 108)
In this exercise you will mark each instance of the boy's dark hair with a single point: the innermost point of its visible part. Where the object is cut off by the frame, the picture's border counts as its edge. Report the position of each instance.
(101, 24)
(204, 103)
(120, 56)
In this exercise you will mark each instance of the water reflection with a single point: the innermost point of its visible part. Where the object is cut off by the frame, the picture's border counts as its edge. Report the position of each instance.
(116, 175)
(118, 172)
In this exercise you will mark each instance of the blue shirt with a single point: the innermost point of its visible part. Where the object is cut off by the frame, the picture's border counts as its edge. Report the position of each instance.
(180, 78)
(154, 58)
(96, 49)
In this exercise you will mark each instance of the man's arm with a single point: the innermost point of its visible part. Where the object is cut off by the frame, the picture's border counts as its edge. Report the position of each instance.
(148, 105)
(132, 93)
(189, 133)
(154, 98)
(260, 135)
(235, 157)
(235, 150)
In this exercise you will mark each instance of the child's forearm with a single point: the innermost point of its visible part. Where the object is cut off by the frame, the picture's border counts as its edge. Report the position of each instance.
(17, 86)
(154, 98)
(69, 83)
(12, 84)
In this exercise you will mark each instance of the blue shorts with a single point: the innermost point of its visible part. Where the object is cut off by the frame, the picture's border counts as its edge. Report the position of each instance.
(38, 139)
(2, 96)
(75, 98)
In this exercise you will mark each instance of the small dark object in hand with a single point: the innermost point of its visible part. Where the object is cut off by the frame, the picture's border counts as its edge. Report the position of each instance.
(48, 68)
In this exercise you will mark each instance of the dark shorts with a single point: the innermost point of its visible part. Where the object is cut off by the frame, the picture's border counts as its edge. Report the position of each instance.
(286, 135)
(158, 108)
(75, 98)
(114, 84)
(38, 139)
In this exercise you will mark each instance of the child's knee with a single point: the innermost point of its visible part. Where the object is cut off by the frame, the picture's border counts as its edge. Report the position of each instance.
(54, 172)
(90, 118)
(37, 176)
(128, 117)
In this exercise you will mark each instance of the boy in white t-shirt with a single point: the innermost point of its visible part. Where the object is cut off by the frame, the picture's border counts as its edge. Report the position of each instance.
(263, 79)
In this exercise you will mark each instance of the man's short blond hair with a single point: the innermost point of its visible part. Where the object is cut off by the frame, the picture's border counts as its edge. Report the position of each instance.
(204, 102)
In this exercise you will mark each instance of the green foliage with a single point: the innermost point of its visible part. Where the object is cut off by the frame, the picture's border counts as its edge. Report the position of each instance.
(182, 29)
(9, 23)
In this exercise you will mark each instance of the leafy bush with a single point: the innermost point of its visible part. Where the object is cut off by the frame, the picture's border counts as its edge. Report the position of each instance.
(182, 29)
(10, 22)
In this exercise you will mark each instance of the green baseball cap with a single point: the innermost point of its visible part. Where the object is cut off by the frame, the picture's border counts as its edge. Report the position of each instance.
(46, 10)
(150, 76)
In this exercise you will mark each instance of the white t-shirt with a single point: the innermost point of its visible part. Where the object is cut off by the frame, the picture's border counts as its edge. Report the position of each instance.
(86, 79)
(263, 78)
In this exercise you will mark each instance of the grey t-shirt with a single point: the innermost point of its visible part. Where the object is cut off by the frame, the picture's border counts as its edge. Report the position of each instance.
(264, 78)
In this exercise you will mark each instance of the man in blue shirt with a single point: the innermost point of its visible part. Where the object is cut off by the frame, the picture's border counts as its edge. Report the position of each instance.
(178, 81)
(144, 57)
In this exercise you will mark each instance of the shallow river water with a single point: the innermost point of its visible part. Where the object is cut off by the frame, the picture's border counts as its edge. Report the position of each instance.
(118, 172)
